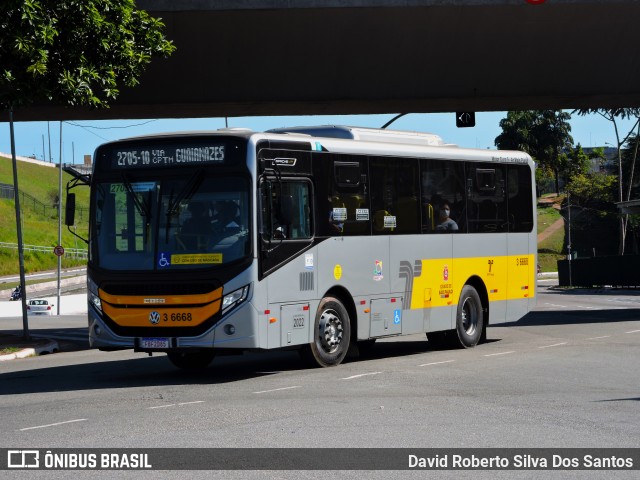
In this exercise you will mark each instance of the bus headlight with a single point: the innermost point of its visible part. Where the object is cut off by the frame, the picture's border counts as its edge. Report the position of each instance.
(95, 301)
(234, 298)
(93, 297)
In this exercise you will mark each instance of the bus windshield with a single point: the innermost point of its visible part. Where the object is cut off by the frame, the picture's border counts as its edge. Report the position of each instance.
(188, 220)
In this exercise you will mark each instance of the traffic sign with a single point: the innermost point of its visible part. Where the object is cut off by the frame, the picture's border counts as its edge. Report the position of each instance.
(58, 250)
(465, 119)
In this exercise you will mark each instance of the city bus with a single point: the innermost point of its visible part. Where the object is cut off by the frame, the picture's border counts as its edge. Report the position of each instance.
(321, 239)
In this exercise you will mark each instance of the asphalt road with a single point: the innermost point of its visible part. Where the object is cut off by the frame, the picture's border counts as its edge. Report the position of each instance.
(565, 376)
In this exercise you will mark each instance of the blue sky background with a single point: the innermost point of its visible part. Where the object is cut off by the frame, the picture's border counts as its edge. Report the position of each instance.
(82, 137)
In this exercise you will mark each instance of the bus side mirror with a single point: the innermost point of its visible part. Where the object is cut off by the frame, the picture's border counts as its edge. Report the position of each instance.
(285, 212)
(70, 210)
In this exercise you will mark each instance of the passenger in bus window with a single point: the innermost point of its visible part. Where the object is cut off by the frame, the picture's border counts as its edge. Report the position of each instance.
(228, 238)
(445, 223)
(227, 217)
(199, 223)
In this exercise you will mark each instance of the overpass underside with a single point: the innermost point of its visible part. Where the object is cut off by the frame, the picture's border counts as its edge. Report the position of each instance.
(244, 58)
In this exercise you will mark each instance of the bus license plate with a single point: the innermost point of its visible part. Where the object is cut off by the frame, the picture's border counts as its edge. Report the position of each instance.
(154, 343)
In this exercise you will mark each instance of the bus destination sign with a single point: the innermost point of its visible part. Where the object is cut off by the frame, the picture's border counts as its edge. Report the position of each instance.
(167, 157)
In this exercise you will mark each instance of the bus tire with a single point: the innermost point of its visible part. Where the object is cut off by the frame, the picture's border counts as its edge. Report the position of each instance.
(469, 318)
(332, 333)
(197, 360)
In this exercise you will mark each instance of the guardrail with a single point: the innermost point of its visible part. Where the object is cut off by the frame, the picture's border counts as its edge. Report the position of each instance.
(71, 252)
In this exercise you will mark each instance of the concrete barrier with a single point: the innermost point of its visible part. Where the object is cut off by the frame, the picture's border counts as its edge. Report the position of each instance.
(615, 271)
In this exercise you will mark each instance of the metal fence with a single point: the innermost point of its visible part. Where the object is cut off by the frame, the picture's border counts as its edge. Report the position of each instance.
(70, 252)
(26, 200)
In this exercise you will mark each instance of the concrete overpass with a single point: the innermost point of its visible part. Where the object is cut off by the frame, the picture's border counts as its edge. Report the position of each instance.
(277, 57)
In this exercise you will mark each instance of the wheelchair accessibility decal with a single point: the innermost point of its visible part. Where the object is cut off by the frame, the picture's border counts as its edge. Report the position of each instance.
(397, 316)
(163, 261)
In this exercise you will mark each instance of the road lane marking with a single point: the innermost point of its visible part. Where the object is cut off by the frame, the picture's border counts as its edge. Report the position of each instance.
(598, 338)
(54, 424)
(361, 375)
(501, 353)
(175, 404)
(279, 389)
(435, 363)
(633, 331)
(554, 345)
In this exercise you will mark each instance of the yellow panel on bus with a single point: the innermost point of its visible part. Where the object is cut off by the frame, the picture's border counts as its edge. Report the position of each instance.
(521, 276)
(441, 280)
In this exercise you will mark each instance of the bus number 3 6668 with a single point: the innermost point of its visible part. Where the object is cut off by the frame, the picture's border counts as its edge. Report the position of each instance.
(177, 317)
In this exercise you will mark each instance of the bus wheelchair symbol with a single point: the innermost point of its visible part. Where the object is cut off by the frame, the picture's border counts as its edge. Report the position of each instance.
(163, 261)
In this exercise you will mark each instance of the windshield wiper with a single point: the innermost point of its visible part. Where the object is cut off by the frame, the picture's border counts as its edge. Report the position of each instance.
(186, 193)
(143, 209)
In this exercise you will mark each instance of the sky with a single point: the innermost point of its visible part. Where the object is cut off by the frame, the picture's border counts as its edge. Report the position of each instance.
(81, 138)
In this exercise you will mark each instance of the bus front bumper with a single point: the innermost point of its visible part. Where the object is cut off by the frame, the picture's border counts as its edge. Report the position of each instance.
(243, 320)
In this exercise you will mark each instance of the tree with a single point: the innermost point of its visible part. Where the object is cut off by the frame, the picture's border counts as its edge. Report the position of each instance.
(73, 52)
(517, 132)
(613, 114)
(543, 134)
(629, 154)
(574, 161)
(551, 133)
(592, 190)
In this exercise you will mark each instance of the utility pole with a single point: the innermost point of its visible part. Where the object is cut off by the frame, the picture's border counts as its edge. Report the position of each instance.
(16, 195)
(59, 217)
(49, 139)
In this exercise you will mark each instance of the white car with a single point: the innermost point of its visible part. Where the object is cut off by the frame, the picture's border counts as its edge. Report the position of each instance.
(39, 306)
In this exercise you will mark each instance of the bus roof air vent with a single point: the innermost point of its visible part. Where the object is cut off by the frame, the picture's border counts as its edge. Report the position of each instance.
(367, 134)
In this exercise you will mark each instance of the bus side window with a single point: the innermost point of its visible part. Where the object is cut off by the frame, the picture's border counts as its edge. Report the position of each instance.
(286, 210)
(300, 227)
(442, 183)
(519, 197)
(349, 214)
(487, 198)
(394, 196)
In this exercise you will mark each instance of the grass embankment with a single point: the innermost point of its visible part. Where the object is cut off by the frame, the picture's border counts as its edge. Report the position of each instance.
(39, 225)
(8, 350)
(551, 249)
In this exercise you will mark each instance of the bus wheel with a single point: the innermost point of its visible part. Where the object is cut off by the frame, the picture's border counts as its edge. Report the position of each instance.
(469, 318)
(198, 360)
(332, 333)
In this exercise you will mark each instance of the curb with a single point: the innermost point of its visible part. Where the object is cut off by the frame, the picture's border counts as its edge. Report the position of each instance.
(548, 275)
(50, 347)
